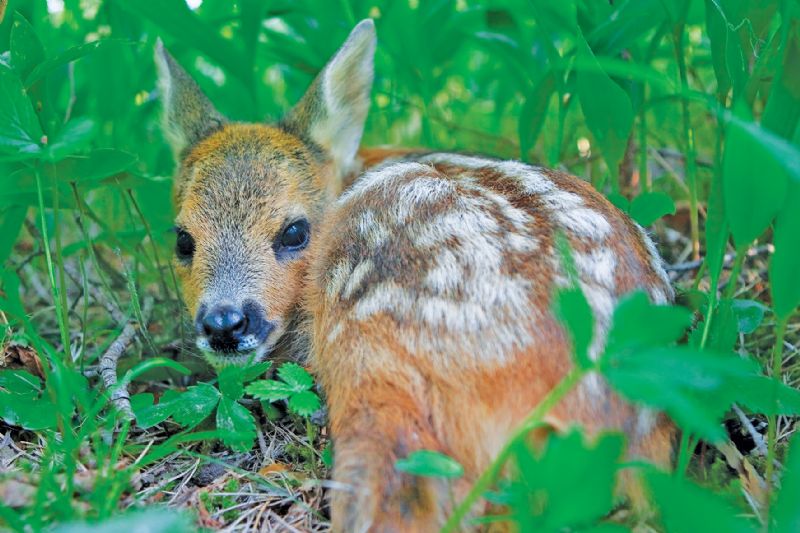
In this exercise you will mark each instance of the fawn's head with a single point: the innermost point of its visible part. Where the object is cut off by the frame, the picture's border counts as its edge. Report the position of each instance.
(249, 197)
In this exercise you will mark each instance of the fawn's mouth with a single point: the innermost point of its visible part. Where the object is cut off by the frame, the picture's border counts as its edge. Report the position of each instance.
(247, 352)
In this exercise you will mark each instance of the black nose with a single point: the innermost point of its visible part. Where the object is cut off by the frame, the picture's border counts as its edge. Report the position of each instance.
(224, 326)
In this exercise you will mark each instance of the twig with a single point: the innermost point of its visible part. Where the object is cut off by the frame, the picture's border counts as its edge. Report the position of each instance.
(109, 360)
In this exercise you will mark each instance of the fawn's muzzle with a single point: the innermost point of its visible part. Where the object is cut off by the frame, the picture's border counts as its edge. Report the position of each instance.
(229, 328)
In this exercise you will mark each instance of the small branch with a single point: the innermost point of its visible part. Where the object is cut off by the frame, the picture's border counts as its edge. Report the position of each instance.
(109, 360)
(758, 438)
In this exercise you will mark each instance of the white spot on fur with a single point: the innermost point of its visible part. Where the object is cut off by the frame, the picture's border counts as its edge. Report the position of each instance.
(381, 176)
(645, 421)
(598, 266)
(656, 263)
(361, 271)
(335, 331)
(374, 233)
(337, 278)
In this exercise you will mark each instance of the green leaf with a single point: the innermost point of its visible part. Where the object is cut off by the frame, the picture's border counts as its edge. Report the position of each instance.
(533, 114)
(269, 390)
(11, 221)
(67, 56)
(26, 48)
(148, 413)
(429, 463)
(73, 136)
(766, 396)
(621, 203)
(749, 314)
(567, 487)
(639, 324)
(20, 132)
(785, 262)
(574, 312)
(716, 229)
(237, 425)
(754, 185)
(607, 109)
(251, 372)
(176, 19)
(784, 514)
(195, 404)
(650, 206)
(20, 382)
(782, 112)
(295, 376)
(231, 383)
(685, 507)
(304, 403)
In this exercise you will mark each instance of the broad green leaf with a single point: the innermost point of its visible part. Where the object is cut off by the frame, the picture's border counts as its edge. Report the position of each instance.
(195, 404)
(575, 314)
(20, 382)
(785, 262)
(566, 487)
(650, 206)
(65, 57)
(639, 324)
(429, 463)
(148, 413)
(628, 23)
(73, 136)
(304, 403)
(782, 112)
(685, 507)
(749, 314)
(269, 390)
(754, 185)
(766, 396)
(20, 132)
(27, 411)
(784, 513)
(26, 48)
(237, 425)
(11, 221)
(621, 203)
(607, 109)
(295, 376)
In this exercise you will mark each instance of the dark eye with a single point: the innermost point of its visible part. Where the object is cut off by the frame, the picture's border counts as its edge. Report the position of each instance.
(295, 236)
(184, 245)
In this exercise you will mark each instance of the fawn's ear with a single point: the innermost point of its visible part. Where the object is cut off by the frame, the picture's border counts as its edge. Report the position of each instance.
(188, 114)
(333, 110)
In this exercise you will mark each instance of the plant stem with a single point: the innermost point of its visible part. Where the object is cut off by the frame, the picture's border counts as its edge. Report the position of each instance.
(688, 138)
(684, 454)
(62, 325)
(531, 422)
(772, 430)
(737, 268)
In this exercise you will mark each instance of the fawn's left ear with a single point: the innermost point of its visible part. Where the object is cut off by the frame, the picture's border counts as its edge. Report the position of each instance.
(333, 110)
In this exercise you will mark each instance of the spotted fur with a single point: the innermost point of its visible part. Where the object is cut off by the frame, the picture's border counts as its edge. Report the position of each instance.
(423, 302)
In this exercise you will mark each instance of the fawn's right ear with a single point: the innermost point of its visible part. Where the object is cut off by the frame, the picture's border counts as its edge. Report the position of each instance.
(188, 115)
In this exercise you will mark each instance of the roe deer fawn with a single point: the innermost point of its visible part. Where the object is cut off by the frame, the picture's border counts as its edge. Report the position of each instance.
(420, 296)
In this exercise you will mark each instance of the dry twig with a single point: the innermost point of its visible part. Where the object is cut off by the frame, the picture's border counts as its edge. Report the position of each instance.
(109, 360)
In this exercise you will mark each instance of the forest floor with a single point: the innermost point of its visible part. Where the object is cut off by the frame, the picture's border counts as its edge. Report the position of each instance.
(281, 484)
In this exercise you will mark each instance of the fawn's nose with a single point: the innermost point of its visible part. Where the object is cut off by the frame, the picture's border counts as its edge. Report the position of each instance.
(224, 326)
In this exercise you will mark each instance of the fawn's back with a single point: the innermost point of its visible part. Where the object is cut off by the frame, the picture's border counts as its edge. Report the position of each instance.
(433, 325)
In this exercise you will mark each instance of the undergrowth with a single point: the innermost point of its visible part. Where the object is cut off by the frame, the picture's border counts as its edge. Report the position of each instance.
(685, 114)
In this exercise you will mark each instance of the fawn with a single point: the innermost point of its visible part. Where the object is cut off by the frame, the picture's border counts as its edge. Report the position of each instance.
(420, 295)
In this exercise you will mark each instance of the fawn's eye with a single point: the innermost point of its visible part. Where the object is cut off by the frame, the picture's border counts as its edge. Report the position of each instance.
(184, 245)
(295, 236)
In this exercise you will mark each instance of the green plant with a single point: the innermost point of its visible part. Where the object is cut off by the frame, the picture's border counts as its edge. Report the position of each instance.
(689, 107)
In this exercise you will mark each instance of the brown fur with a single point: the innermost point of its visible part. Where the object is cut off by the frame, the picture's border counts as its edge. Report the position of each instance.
(424, 298)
